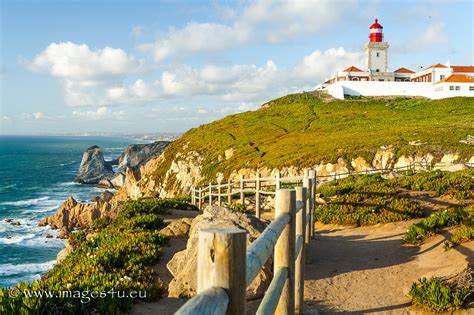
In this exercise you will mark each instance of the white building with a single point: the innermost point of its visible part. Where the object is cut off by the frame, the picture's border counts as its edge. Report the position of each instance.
(436, 81)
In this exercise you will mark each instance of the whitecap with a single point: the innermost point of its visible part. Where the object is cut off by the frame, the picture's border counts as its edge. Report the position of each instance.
(11, 269)
(15, 239)
(26, 202)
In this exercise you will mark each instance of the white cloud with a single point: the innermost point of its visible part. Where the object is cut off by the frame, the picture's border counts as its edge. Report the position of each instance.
(77, 62)
(102, 113)
(433, 35)
(35, 116)
(262, 20)
(319, 65)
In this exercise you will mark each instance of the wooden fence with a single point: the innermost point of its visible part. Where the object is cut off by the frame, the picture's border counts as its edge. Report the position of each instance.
(260, 186)
(223, 259)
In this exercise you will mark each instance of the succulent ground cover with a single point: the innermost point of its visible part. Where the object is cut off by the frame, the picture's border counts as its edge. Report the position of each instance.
(371, 199)
(444, 294)
(116, 257)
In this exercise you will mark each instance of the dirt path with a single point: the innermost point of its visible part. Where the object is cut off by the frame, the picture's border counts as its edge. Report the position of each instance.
(367, 270)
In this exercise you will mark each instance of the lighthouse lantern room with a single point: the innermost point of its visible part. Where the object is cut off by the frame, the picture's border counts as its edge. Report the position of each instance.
(376, 55)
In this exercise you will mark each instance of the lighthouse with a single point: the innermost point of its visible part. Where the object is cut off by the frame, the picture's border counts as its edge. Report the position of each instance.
(376, 54)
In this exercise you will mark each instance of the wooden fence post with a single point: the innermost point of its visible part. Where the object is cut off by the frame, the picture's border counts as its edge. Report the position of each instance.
(300, 257)
(277, 181)
(257, 196)
(192, 196)
(210, 194)
(219, 193)
(307, 238)
(200, 199)
(242, 194)
(229, 192)
(221, 263)
(312, 192)
(284, 255)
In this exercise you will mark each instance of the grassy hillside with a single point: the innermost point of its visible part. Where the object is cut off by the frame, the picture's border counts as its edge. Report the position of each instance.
(303, 130)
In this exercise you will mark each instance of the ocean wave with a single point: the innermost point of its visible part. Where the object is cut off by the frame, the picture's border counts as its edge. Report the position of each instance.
(11, 269)
(16, 239)
(26, 202)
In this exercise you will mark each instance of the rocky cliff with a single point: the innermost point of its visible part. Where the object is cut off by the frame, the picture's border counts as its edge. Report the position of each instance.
(93, 167)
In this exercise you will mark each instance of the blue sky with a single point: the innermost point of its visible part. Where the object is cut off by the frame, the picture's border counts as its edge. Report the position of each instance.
(167, 66)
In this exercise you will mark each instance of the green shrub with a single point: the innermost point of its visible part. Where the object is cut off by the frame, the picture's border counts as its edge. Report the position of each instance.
(418, 232)
(465, 233)
(364, 200)
(441, 294)
(119, 256)
(236, 207)
(458, 185)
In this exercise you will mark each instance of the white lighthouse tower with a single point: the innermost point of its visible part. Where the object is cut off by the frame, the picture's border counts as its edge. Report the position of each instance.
(376, 55)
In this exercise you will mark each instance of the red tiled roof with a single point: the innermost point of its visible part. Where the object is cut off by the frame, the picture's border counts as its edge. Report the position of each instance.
(459, 78)
(352, 69)
(403, 70)
(438, 65)
(463, 68)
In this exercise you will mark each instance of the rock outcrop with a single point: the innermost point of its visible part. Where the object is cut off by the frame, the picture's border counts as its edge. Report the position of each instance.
(73, 214)
(93, 167)
(178, 228)
(135, 155)
(183, 265)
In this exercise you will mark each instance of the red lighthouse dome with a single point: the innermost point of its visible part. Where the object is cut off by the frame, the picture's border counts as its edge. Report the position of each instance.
(376, 34)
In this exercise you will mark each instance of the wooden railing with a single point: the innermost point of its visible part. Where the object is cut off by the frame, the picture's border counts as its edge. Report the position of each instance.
(261, 186)
(223, 259)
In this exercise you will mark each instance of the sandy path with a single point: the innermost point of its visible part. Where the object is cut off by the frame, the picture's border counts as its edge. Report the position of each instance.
(367, 270)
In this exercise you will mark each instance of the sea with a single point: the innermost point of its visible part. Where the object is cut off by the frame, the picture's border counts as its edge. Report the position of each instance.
(36, 177)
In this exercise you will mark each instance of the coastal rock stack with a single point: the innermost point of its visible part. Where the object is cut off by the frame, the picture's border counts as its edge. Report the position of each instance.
(93, 167)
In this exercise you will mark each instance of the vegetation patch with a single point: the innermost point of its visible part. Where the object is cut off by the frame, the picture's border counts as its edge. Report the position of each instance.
(464, 234)
(364, 200)
(116, 259)
(418, 232)
(443, 294)
(458, 185)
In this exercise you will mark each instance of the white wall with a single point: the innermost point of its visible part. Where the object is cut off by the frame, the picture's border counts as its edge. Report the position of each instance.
(377, 88)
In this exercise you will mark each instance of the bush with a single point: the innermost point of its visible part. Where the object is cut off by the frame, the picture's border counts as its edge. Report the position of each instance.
(458, 185)
(465, 233)
(118, 257)
(364, 200)
(236, 207)
(442, 294)
(418, 232)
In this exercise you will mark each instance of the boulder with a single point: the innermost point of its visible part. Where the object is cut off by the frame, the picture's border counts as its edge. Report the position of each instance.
(73, 214)
(183, 265)
(178, 228)
(93, 167)
(135, 155)
(64, 252)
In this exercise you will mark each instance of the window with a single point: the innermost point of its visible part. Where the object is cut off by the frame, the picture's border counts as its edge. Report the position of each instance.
(441, 77)
(451, 87)
(380, 79)
(471, 88)
(458, 88)
(378, 54)
(377, 70)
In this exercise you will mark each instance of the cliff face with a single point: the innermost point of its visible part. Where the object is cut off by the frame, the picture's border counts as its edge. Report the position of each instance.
(186, 171)
(93, 167)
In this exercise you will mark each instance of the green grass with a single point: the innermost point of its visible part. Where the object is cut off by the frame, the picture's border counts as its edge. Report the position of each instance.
(364, 200)
(440, 294)
(119, 256)
(303, 130)
(418, 232)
